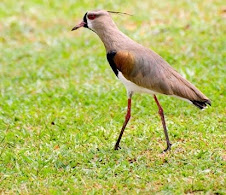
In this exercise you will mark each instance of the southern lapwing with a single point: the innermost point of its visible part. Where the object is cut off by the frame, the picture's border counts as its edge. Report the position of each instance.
(140, 69)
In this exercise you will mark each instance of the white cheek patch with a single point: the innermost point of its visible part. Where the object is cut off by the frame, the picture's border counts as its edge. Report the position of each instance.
(89, 24)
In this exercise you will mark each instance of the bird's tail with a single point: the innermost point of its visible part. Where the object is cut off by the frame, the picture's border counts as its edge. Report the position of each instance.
(201, 104)
(187, 90)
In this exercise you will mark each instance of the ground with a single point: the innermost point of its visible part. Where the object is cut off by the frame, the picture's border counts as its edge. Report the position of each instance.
(61, 106)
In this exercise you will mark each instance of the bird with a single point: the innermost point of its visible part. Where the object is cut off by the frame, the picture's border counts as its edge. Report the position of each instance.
(139, 68)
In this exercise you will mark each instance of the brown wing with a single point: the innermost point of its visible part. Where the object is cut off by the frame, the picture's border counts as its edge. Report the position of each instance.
(147, 69)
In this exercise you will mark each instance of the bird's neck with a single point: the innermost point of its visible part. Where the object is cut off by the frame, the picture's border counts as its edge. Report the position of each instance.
(114, 39)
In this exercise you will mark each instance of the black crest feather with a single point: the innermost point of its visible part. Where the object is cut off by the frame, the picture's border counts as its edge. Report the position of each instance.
(114, 12)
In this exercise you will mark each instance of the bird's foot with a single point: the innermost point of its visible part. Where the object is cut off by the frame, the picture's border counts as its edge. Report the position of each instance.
(168, 148)
(117, 147)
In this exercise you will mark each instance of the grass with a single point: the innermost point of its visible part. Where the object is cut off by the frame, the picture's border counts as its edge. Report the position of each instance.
(61, 107)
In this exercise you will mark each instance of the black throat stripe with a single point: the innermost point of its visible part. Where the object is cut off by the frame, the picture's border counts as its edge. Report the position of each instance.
(85, 20)
(110, 57)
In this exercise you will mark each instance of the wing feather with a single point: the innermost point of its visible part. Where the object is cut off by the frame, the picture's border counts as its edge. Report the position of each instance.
(149, 70)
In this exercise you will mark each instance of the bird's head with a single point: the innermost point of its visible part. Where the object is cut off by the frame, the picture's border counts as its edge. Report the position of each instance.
(95, 20)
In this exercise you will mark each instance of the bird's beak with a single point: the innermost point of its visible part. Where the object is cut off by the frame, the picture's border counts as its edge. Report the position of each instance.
(82, 24)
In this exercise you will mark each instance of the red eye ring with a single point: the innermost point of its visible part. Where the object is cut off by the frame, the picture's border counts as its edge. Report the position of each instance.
(91, 16)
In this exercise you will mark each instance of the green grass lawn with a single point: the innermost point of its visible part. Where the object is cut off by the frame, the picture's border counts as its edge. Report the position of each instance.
(61, 106)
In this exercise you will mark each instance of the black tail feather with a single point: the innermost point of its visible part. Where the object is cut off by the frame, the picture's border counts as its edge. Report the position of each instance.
(201, 104)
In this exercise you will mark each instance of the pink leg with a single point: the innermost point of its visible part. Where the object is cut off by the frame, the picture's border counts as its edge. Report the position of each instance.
(128, 114)
(161, 113)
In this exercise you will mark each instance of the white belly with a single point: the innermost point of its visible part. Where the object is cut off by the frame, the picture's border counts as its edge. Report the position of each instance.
(132, 87)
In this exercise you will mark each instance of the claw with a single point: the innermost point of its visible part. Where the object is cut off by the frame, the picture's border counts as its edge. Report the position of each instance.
(117, 147)
(168, 148)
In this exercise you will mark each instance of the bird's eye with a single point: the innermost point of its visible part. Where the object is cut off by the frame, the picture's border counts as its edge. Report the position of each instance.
(91, 16)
